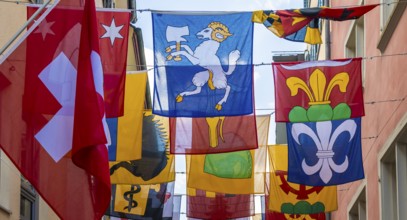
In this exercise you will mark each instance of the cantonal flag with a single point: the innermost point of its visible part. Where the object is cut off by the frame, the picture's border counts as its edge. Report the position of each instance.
(126, 131)
(156, 165)
(113, 27)
(302, 25)
(52, 111)
(292, 198)
(213, 134)
(238, 172)
(203, 64)
(318, 90)
(142, 202)
(268, 214)
(209, 205)
(325, 153)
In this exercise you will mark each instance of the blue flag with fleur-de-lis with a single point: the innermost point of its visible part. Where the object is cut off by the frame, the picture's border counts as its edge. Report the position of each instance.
(203, 64)
(325, 153)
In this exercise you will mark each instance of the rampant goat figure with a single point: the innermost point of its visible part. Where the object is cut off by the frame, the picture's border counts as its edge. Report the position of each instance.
(205, 56)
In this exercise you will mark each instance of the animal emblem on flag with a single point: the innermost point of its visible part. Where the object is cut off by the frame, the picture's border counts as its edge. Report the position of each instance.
(205, 53)
(325, 153)
(204, 61)
(155, 159)
(318, 90)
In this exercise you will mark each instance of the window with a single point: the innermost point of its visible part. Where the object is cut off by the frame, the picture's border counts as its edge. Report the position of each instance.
(387, 10)
(393, 182)
(108, 3)
(358, 208)
(26, 208)
(391, 12)
(37, 1)
(28, 201)
(356, 40)
(355, 45)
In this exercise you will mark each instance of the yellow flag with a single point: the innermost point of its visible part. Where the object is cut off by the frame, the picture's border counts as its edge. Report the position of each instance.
(132, 199)
(294, 198)
(156, 164)
(126, 131)
(153, 201)
(262, 124)
(239, 172)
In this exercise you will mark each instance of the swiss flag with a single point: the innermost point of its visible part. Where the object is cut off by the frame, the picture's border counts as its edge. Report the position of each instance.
(52, 116)
(113, 28)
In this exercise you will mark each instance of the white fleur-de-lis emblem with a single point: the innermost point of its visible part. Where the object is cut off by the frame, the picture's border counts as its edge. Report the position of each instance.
(324, 140)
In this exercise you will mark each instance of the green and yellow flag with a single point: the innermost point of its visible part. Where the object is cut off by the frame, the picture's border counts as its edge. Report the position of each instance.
(239, 172)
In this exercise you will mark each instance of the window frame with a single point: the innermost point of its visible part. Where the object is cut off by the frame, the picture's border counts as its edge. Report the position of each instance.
(29, 193)
(396, 145)
(353, 35)
(388, 29)
(357, 198)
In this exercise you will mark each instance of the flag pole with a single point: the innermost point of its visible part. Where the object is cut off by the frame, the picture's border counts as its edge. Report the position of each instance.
(14, 37)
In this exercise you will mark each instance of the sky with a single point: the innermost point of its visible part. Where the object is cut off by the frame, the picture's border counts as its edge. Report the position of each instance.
(265, 44)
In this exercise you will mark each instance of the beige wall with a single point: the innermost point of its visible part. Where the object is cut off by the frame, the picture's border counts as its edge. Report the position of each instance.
(121, 4)
(9, 175)
(385, 80)
(9, 189)
(8, 25)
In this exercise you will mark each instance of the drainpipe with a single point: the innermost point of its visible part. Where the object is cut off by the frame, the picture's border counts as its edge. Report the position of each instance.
(327, 35)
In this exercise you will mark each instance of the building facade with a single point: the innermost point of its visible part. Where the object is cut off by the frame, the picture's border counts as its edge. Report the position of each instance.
(18, 199)
(380, 37)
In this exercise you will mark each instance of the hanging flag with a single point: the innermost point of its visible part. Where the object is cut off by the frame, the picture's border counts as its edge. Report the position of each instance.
(203, 65)
(4, 82)
(294, 199)
(126, 131)
(113, 27)
(318, 90)
(268, 214)
(302, 25)
(209, 205)
(239, 172)
(325, 153)
(212, 134)
(263, 125)
(142, 202)
(53, 108)
(156, 164)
